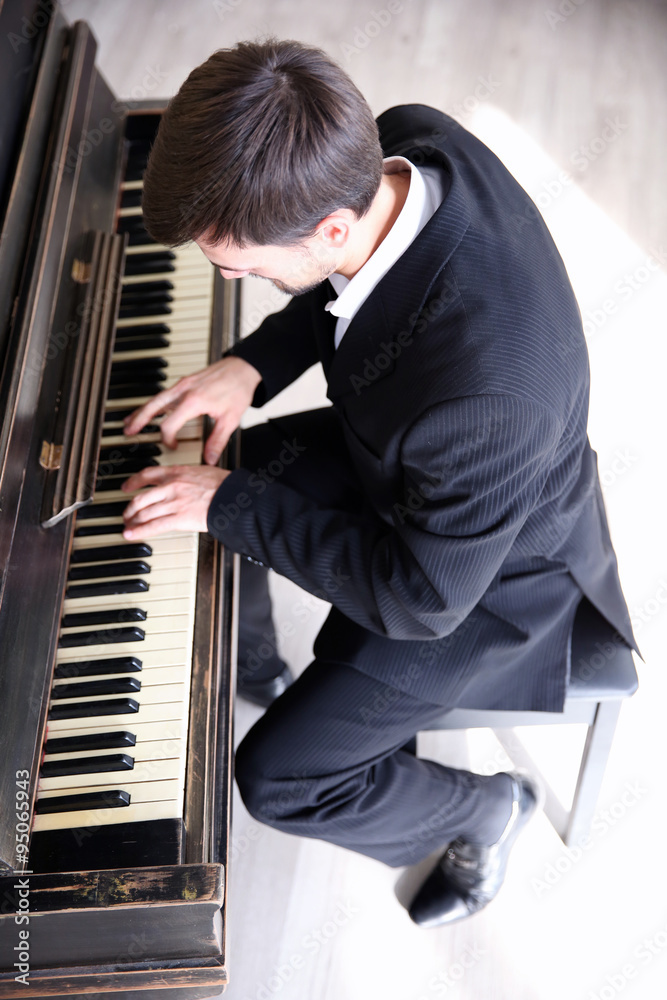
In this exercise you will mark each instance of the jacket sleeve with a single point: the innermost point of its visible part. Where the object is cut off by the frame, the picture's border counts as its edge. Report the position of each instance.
(284, 345)
(473, 470)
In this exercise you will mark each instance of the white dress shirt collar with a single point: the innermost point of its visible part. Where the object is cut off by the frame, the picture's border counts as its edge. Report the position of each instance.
(419, 206)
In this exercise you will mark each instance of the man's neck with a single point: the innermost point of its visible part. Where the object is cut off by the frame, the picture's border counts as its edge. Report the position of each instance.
(372, 228)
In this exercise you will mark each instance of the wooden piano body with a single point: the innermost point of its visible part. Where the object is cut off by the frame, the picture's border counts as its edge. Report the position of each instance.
(127, 909)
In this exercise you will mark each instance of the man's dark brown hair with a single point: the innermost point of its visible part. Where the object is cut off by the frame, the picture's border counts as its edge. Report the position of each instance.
(261, 143)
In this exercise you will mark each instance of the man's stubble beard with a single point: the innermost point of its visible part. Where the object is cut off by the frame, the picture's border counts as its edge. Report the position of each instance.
(324, 269)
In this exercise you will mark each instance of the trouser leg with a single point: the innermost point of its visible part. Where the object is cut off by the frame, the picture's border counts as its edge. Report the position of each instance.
(326, 761)
(258, 657)
(314, 461)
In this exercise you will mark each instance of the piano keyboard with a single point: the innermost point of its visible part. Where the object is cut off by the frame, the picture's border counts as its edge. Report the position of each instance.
(115, 748)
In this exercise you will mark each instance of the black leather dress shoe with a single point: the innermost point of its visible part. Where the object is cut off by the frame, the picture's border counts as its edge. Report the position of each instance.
(264, 692)
(468, 876)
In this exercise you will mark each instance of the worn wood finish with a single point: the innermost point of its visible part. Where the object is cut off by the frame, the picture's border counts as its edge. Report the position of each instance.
(34, 560)
(149, 931)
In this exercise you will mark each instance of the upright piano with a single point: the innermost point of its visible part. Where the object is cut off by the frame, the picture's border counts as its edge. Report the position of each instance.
(116, 675)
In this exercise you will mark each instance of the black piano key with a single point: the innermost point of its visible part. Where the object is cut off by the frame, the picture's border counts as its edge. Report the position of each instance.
(80, 590)
(131, 198)
(110, 483)
(142, 344)
(132, 298)
(136, 170)
(118, 413)
(92, 530)
(142, 330)
(87, 765)
(129, 391)
(114, 431)
(90, 709)
(111, 799)
(149, 263)
(135, 309)
(118, 452)
(112, 508)
(101, 637)
(94, 689)
(139, 370)
(147, 287)
(110, 665)
(116, 616)
(140, 366)
(90, 741)
(125, 468)
(130, 224)
(140, 239)
(136, 377)
(129, 297)
(105, 570)
(130, 550)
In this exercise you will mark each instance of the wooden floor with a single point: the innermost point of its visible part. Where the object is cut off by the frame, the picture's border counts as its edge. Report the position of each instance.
(572, 94)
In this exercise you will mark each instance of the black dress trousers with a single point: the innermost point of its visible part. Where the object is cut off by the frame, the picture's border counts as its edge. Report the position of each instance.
(327, 759)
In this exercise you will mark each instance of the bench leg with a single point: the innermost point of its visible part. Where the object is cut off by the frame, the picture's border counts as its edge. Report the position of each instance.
(572, 826)
(593, 763)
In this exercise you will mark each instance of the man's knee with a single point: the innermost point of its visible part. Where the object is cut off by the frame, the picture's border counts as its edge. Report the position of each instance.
(269, 796)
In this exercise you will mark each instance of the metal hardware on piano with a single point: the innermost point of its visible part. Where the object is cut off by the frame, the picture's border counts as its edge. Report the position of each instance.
(117, 659)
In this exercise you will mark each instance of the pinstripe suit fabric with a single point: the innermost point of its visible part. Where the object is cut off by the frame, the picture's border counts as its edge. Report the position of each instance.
(447, 504)
(461, 388)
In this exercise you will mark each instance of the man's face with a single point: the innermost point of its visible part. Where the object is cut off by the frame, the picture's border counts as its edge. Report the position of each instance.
(293, 270)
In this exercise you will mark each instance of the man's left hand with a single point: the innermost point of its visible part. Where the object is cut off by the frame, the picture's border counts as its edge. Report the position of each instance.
(178, 499)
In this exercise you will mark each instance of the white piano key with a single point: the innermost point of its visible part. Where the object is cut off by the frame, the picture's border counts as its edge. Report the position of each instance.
(148, 675)
(159, 731)
(154, 625)
(155, 607)
(150, 659)
(143, 791)
(163, 544)
(158, 562)
(156, 592)
(160, 712)
(156, 694)
(151, 644)
(142, 751)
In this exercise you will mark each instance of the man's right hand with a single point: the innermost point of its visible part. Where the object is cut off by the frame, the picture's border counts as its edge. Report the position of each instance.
(224, 390)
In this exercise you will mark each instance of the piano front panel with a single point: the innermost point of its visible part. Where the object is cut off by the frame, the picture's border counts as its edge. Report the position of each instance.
(149, 633)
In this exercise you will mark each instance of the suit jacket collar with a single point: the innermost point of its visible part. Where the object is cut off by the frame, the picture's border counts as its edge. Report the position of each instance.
(420, 134)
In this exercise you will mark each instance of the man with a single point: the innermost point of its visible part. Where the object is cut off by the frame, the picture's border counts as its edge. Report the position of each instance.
(447, 504)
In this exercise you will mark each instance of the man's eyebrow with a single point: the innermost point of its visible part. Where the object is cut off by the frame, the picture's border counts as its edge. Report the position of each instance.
(224, 268)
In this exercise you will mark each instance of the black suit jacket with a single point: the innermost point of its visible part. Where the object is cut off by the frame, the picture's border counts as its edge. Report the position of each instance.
(462, 384)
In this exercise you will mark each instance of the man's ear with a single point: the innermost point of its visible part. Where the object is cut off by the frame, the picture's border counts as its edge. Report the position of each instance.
(335, 230)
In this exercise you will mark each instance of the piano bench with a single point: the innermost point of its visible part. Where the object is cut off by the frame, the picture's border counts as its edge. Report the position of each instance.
(595, 693)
